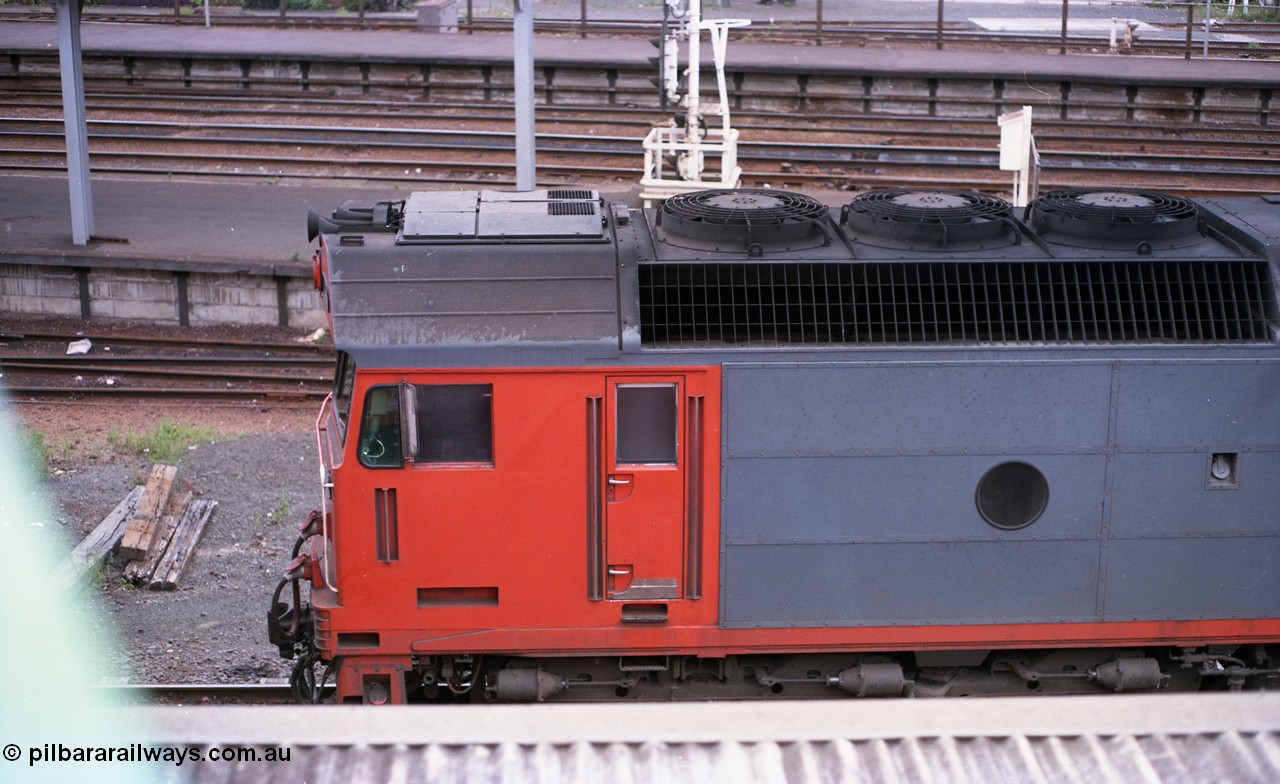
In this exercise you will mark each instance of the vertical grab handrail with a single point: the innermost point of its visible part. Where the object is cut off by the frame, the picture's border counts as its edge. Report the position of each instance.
(595, 499)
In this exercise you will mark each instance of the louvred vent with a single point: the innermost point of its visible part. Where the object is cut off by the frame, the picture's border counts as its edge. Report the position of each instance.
(955, 302)
(1116, 220)
(757, 221)
(930, 220)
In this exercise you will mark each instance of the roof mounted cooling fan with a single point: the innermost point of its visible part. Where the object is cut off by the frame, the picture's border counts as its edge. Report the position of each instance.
(930, 220)
(755, 220)
(1116, 220)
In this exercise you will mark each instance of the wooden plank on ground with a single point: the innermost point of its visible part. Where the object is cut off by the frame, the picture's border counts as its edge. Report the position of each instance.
(140, 571)
(95, 547)
(185, 540)
(146, 517)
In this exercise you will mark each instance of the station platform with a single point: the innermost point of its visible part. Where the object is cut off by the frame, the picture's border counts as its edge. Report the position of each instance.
(377, 46)
(171, 224)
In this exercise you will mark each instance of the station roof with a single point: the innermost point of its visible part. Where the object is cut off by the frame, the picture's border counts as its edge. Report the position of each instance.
(1125, 738)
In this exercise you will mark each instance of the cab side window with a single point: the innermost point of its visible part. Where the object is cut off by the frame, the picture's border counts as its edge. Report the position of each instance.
(380, 428)
(455, 423)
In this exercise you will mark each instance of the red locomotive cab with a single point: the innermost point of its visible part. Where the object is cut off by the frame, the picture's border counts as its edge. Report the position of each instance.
(454, 497)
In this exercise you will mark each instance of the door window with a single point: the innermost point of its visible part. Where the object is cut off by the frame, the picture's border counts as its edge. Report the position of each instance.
(647, 425)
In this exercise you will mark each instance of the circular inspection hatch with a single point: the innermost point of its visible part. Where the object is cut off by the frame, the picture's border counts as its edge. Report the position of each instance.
(1012, 495)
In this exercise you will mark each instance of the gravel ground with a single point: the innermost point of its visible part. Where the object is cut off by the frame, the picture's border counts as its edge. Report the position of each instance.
(212, 629)
(257, 462)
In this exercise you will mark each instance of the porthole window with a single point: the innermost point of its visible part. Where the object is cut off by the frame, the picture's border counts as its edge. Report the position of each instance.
(1012, 495)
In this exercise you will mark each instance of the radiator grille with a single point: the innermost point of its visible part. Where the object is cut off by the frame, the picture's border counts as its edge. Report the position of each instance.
(571, 193)
(957, 302)
(571, 208)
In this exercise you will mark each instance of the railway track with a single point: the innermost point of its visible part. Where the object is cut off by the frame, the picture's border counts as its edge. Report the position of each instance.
(282, 114)
(292, 139)
(200, 693)
(36, 366)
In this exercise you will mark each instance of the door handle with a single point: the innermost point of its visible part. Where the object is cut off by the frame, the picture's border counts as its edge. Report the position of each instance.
(613, 480)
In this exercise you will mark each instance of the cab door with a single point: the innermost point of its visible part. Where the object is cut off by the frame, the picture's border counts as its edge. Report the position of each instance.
(644, 488)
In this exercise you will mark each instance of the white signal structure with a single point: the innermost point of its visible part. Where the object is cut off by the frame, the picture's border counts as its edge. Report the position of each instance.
(1018, 154)
(684, 154)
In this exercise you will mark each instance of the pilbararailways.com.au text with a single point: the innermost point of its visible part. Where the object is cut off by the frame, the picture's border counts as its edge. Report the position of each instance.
(53, 753)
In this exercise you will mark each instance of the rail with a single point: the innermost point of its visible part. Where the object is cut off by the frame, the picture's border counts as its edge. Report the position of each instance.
(199, 693)
(34, 366)
(166, 135)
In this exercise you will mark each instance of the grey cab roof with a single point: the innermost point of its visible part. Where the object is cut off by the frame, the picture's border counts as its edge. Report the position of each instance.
(477, 270)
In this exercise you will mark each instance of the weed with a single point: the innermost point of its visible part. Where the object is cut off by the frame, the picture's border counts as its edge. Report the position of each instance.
(281, 512)
(165, 443)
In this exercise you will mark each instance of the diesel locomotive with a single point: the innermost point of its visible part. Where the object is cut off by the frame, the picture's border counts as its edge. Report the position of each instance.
(747, 445)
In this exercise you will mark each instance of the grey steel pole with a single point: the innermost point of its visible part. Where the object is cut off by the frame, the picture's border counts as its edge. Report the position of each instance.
(1062, 39)
(1208, 15)
(1190, 24)
(523, 66)
(940, 18)
(76, 130)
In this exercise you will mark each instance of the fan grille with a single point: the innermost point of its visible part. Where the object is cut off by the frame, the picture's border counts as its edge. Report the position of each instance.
(738, 219)
(1111, 219)
(930, 220)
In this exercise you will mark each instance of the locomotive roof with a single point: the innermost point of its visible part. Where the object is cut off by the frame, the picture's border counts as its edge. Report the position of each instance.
(474, 270)
(557, 276)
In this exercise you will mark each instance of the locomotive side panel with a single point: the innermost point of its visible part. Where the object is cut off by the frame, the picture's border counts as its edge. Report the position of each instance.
(858, 492)
(864, 492)
(1194, 531)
